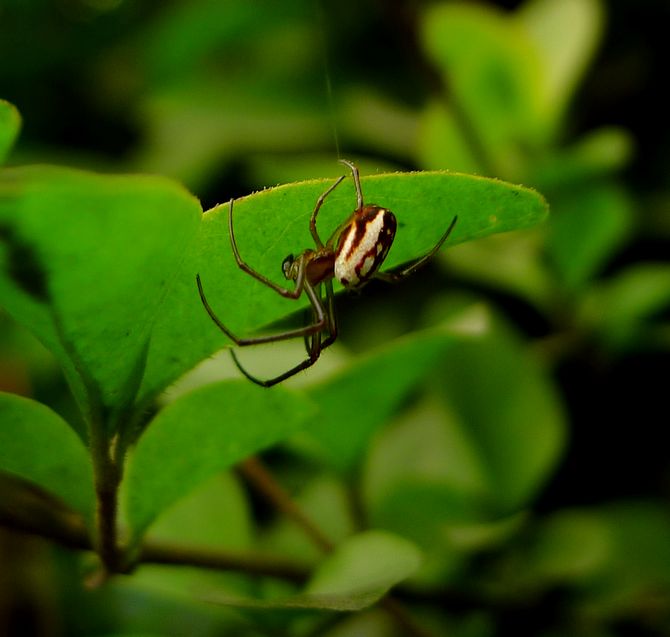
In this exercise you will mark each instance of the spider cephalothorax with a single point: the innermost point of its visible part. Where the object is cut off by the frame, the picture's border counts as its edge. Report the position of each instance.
(353, 255)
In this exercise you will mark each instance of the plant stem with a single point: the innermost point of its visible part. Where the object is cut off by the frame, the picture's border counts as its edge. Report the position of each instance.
(70, 532)
(257, 474)
(107, 478)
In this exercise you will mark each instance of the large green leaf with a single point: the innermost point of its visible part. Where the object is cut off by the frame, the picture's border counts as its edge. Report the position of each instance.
(275, 222)
(494, 75)
(85, 263)
(481, 452)
(565, 33)
(201, 433)
(38, 445)
(510, 412)
(10, 122)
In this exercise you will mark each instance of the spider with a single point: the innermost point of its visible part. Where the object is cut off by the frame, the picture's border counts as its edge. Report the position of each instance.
(353, 255)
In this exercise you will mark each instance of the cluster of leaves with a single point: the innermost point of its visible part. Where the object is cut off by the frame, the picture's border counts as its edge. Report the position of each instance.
(101, 269)
(420, 460)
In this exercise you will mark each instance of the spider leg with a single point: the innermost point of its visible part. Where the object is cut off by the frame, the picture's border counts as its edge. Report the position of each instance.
(315, 330)
(319, 203)
(331, 327)
(289, 294)
(357, 182)
(317, 326)
(393, 277)
(332, 318)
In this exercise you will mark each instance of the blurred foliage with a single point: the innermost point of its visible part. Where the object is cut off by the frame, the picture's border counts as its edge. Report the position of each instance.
(486, 439)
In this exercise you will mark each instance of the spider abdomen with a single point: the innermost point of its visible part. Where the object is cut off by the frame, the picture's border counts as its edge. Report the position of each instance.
(363, 245)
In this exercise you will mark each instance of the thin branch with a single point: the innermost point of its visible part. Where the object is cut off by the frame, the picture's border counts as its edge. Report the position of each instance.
(248, 563)
(256, 473)
(70, 532)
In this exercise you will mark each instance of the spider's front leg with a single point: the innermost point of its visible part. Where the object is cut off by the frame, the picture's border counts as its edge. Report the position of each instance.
(311, 333)
(317, 326)
(314, 344)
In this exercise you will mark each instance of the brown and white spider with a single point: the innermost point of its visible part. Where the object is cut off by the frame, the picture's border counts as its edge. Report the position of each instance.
(353, 255)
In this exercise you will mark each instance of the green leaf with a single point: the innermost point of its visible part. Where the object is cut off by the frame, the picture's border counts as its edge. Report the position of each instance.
(39, 446)
(618, 554)
(571, 545)
(512, 262)
(441, 142)
(480, 453)
(201, 433)
(275, 222)
(494, 75)
(587, 226)
(10, 123)
(360, 571)
(596, 155)
(380, 381)
(565, 33)
(85, 263)
(214, 515)
(621, 309)
(370, 562)
(510, 412)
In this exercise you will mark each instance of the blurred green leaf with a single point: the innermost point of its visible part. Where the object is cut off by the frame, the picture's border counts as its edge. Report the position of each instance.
(441, 142)
(275, 222)
(481, 454)
(509, 411)
(617, 556)
(194, 127)
(587, 226)
(622, 308)
(370, 562)
(39, 446)
(571, 545)
(565, 33)
(511, 262)
(596, 155)
(184, 35)
(86, 261)
(201, 433)
(421, 475)
(357, 574)
(343, 429)
(493, 72)
(214, 515)
(10, 123)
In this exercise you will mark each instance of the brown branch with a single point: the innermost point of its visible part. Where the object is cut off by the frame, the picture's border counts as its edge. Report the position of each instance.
(69, 531)
(264, 482)
(259, 476)
(155, 552)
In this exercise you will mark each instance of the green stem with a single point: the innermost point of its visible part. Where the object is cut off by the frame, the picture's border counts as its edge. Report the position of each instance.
(107, 478)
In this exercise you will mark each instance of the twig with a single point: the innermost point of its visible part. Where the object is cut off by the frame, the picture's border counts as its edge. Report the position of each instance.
(71, 533)
(256, 473)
